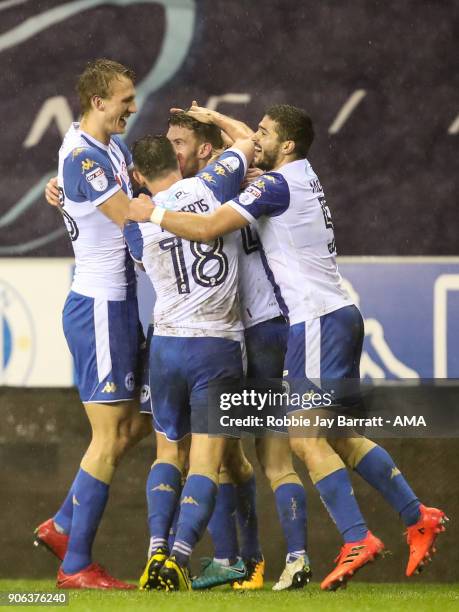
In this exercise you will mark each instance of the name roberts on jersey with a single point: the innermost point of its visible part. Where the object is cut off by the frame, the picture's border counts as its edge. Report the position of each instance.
(195, 283)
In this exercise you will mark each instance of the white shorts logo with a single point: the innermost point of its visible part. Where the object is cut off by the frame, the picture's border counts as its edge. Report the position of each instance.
(97, 179)
(129, 381)
(144, 394)
(230, 163)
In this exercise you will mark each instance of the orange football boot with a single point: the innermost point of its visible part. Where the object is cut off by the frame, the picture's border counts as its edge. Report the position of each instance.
(352, 557)
(421, 537)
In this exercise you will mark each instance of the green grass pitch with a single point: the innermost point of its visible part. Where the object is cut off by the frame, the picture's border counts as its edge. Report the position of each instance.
(358, 597)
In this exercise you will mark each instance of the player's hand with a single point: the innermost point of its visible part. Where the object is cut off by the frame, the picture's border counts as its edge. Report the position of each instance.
(200, 113)
(52, 192)
(251, 175)
(140, 208)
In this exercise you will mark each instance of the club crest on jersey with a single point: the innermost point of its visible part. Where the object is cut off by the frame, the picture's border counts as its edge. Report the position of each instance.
(230, 163)
(87, 164)
(97, 179)
(145, 394)
(129, 381)
(250, 195)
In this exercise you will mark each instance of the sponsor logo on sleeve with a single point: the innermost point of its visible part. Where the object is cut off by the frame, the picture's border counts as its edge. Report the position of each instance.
(218, 169)
(270, 178)
(207, 177)
(97, 179)
(231, 163)
(251, 194)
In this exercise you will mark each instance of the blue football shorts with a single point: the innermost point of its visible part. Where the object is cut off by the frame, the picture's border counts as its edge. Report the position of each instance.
(104, 338)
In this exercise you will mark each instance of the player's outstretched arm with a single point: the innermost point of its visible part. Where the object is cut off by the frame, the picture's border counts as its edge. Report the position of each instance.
(232, 127)
(199, 228)
(116, 208)
(52, 192)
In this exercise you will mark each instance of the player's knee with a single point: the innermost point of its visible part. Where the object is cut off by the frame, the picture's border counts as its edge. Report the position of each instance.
(111, 445)
(278, 474)
(297, 447)
(352, 450)
(310, 450)
(238, 467)
(141, 428)
(173, 456)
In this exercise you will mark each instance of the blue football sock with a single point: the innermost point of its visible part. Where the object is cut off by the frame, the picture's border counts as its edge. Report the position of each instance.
(196, 506)
(89, 499)
(337, 495)
(222, 525)
(163, 491)
(291, 507)
(173, 527)
(63, 517)
(379, 470)
(246, 495)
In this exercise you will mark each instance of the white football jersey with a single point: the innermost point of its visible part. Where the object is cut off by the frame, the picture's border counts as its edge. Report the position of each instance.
(256, 291)
(90, 173)
(195, 283)
(295, 227)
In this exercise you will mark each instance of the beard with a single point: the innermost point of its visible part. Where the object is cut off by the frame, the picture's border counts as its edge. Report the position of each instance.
(188, 167)
(268, 161)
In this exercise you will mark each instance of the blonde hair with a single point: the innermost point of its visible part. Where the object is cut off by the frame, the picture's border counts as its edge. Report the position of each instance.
(96, 80)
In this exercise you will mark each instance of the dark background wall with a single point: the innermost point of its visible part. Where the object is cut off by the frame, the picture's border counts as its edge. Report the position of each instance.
(390, 173)
(43, 435)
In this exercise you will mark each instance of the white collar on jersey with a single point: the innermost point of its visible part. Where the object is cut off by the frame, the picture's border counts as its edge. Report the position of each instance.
(95, 142)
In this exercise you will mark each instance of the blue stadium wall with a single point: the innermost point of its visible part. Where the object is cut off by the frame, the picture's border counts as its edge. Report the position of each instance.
(379, 82)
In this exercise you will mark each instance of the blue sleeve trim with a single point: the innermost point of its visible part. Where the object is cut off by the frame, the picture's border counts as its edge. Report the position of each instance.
(269, 195)
(88, 175)
(225, 175)
(134, 240)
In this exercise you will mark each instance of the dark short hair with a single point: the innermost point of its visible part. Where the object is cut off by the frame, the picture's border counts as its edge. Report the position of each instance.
(154, 156)
(204, 132)
(96, 80)
(293, 124)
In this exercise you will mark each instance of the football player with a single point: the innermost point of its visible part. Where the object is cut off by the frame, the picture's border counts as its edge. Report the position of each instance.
(197, 338)
(326, 328)
(100, 316)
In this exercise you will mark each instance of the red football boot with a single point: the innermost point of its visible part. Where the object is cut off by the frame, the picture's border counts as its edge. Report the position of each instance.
(47, 535)
(352, 557)
(92, 577)
(421, 537)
